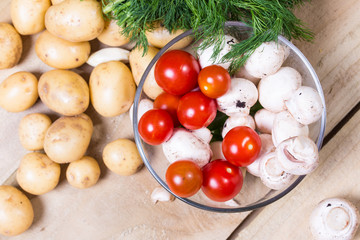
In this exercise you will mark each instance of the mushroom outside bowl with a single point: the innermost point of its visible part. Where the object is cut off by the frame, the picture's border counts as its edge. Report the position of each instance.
(254, 194)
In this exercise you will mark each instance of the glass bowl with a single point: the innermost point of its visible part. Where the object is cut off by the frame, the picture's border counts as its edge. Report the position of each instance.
(254, 194)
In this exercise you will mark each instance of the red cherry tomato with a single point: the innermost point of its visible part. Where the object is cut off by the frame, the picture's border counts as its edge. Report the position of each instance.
(241, 146)
(196, 110)
(184, 178)
(169, 103)
(222, 181)
(155, 126)
(214, 81)
(176, 72)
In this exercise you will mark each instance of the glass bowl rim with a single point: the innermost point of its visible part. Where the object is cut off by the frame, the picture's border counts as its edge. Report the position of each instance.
(252, 206)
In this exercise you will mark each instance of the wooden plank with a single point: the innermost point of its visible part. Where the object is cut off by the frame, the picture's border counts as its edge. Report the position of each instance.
(337, 176)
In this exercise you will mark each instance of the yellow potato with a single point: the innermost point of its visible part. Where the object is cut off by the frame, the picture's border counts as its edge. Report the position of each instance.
(68, 138)
(18, 92)
(37, 174)
(56, 1)
(122, 157)
(28, 16)
(112, 88)
(32, 130)
(111, 35)
(59, 53)
(75, 20)
(64, 92)
(160, 36)
(138, 64)
(83, 173)
(11, 46)
(16, 211)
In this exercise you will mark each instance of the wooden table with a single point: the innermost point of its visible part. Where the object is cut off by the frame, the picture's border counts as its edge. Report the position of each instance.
(120, 207)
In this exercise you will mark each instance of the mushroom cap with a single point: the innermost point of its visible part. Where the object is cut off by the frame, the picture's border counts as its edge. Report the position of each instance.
(203, 133)
(298, 155)
(266, 59)
(264, 120)
(205, 56)
(241, 96)
(285, 126)
(235, 120)
(305, 105)
(334, 219)
(266, 147)
(242, 73)
(272, 174)
(275, 89)
(144, 106)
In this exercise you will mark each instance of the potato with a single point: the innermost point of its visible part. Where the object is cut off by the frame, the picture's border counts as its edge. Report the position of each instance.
(16, 211)
(112, 88)
(160, 36)
(138, 64)
(37, 174)
(68, 138)
(64, 92)
(75, 20)
(18, 92)
(11, 46)
(32, 130)
(83, 173)
(59, 53)
(28, 16)
(122, 157)
(111, 35)
(56, 1)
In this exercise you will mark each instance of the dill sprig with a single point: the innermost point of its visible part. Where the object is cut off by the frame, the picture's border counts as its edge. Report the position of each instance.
(267, 18)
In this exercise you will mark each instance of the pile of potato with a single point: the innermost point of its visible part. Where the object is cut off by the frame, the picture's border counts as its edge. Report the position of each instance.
(64, 29)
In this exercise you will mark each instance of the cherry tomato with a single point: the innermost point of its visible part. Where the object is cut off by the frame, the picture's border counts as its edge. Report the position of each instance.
(196, 110)
(214, 81)
(184, 178)
(241, 146)
(169, 103)
(176, 72)
(155, 126)
(222, 181)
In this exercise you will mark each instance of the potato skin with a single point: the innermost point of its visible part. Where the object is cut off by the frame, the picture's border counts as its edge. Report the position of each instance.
(16, 211)
(59, 53)
(111, 35)
(122, 157)
(11, 46)
(18, 92)
(83, 173)
(75, 20)
(28, 16)
(64, 92)
(68, 138)
(138, 64)
(112, 88)
(32, 130)
(37, 174)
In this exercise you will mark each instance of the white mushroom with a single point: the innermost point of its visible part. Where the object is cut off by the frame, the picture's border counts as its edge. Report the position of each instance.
(266, 59)
(108, 54)
(159, 194)
(241, 96)
(144, 106)
(264, 120)
(266, 147)
(203, 133)
(305, 105)
(275, 89)
(272, 174)
(298, 155)
(205, 56)
(334, 219)
(285, 126)
(235, 120)
(184, 145)
(242, 73)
